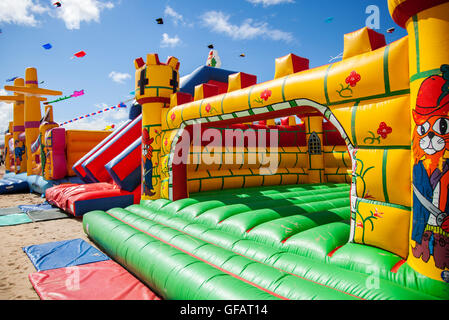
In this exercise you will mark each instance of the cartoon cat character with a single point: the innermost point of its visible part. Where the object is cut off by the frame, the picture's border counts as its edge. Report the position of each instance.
(147, 149)
(430, 228)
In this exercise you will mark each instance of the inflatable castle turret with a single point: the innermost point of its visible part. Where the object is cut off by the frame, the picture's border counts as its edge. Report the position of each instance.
(427, 24)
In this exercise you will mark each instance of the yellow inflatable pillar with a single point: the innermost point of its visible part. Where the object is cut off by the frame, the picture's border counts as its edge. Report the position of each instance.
(291, 121)
(155, 82)
(19, 128)
(32, 110)
(427, 23)
(314, 139)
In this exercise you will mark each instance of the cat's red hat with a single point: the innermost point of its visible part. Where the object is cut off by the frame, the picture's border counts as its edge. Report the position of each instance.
(146, 137)
(432, 100)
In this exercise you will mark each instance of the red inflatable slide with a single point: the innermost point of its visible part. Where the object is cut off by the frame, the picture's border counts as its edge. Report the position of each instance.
(111, 170)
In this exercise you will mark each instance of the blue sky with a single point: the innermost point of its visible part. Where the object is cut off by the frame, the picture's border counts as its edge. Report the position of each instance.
(115, 32)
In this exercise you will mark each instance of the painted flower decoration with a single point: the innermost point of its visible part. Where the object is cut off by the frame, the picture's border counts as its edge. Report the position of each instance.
(166, 141)
(368, 196)
(353, 78)
(265, 95)
(377, 214)
(384, 130)
(173, 117)
(351, 81)
(208, 107)
(360, 225)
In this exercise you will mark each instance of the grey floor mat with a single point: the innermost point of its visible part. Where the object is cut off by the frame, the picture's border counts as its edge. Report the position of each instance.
(51, 214)
(11, 210)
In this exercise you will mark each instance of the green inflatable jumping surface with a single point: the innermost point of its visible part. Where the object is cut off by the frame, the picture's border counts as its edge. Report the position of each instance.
(277, 242)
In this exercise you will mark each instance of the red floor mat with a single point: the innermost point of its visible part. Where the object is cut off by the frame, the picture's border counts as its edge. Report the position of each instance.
(105, 280)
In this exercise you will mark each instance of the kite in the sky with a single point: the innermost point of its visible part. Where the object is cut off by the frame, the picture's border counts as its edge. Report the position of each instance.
(160, 21)
(79, 54)
(77, 93)
(242, 55)
(211, 46)
(391, 30)
(47, 46)
(74, 95)
(328, 20)
(110, 127)
(57, 4)
(12, 79)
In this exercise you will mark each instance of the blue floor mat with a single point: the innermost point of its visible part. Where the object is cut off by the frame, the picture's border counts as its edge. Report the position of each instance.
(34, 207)
(63, 254)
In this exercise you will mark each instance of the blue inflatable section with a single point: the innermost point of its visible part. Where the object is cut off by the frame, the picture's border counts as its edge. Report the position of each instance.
(13, 185)
(22, 183)
(201, 75)
(63, 254)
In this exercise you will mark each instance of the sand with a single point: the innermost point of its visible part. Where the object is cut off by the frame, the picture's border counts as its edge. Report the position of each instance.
(15, 266)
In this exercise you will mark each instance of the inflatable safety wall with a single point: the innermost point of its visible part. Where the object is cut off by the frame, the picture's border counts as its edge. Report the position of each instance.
(398, 192)
(78, 143)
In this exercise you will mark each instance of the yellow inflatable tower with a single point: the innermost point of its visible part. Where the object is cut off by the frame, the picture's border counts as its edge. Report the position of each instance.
(427, 23)
(153, 94)
(32, 110)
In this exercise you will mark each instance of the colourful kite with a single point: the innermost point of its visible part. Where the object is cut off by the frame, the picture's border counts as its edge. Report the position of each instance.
(57, 4)
(79, 54)
(12, 79)
(47, 46)
(74, 95)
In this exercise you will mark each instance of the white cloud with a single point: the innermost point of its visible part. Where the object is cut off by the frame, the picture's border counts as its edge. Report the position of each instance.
(177, 18)
(6, 115)
(119, 77)
(219, 22)
(21, 12)
(169, 42)
(267, 3)
(73, 12)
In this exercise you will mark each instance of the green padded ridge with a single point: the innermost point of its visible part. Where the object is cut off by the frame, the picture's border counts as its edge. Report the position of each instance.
(143, 255)
(256, 251)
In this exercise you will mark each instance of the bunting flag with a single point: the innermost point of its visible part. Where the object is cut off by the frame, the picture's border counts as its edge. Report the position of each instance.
(73, 95)
(120, 105)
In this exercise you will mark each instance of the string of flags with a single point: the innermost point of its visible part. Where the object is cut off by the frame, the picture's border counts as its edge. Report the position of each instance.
(73, 95)
(120, 105)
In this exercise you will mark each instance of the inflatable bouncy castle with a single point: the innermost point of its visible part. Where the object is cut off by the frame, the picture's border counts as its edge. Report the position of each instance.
(40, 152)
(350, 202)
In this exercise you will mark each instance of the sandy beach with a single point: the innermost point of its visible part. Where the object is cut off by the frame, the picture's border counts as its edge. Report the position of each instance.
(14, 263)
